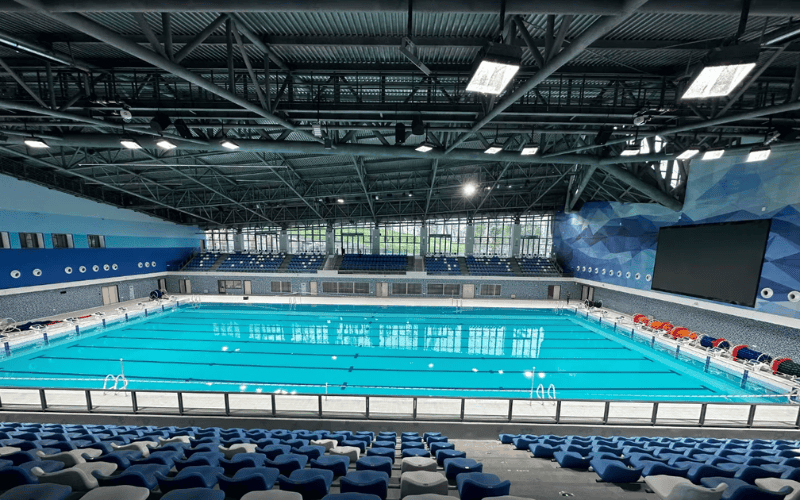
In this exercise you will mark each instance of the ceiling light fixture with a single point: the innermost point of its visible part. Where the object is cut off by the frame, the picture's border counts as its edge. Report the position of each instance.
(340, 201)
(229, 144)
(758, 153)
(493, 149)
(714, 154)
(35, 143)
(494, 68)
(470, 188)
(129, 143)
(689, 152)
(630, 150)
(165, 144)
(529, 150)
(424, 147)
(724, 70)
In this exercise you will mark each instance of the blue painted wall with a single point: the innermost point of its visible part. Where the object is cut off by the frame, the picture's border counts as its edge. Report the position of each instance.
(621, 238)
(131, 238)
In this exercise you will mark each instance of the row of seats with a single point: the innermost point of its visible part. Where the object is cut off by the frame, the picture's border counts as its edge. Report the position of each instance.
(252, 262)
(676, 468)
(447, 266)
(537, 266)
(202, 261)
(306, 263)
(358, 262)
(54, 461)
(489, 266)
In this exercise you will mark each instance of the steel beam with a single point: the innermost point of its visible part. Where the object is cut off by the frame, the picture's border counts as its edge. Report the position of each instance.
(587, 175)
(199, 38)
(597, 30)
(576, 7)
(636, 183)
(22, 83)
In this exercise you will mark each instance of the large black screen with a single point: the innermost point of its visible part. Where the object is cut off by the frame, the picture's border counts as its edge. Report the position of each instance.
(712, 261)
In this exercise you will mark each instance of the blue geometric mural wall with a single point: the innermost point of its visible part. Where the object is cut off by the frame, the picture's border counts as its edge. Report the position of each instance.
(614, 242)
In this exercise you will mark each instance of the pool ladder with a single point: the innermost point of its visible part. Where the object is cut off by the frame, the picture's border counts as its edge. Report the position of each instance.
(117, 379)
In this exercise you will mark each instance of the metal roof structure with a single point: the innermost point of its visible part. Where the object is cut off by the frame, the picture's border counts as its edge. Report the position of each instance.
(266, 74)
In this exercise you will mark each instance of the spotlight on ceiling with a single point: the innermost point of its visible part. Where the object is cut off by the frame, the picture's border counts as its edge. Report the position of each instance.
(35, 143)
(493, 149)
(424, 147)
(160, 123)
(470, 188)
(229, 144)
(630, 150)
(129, 143)
(340, 201)
(758, 153)
(724, 70)
(689, 152)
(714, 154)
(494, 68)
(529, 150)
(165, 144)
(410, 194)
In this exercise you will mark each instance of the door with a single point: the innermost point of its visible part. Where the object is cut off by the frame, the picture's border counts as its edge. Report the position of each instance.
(184, 286)
(304, 288)
(383, 289)
(162, 284)
(468, 291)
(439, 243)
(223, 289)
(247, 290)
(131, 293)
(110, 295)
(313, 287)
(554, 292)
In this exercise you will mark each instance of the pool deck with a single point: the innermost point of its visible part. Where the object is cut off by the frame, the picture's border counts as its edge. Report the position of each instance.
(482, 418)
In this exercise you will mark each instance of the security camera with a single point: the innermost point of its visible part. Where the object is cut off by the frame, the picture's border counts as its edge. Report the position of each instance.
(640, 120)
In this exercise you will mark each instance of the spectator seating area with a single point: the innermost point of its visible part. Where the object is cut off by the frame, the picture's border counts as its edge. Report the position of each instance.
(489, 266)
(93, 462)
(537, 266)
(202, 261)
(306, 263)
(252, 262)
(369, 262)
(677, 468)
(442, 265)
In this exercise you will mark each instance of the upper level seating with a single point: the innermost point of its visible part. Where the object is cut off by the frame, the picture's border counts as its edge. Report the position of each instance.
(306, 263)
(442, 265)
(252, 262)
(535, 265)
(357, 262)
(489, 266)
(202, 261)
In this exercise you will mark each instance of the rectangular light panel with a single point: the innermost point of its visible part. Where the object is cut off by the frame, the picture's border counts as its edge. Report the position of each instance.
(36, 143)
(492, 77)
(689, 153)
(424, 148)
(529, 151)
(758, 155)
(165, 144)
(130, 144)
(713, 154)
(493, 150)
(718, 81)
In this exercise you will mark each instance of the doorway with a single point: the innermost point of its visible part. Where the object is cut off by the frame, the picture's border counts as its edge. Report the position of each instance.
(184, 286)
(554, 292)
(110, 295)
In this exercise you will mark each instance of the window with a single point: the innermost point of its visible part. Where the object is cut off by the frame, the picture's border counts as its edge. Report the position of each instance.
(490, 289)
(229, 285)
(281, 287)
(62, 240)
(260, 239)
(31, 240)
(4, 241)
(401, 238)
(447, 236)
(536, 235)
(446, 290)
(96, 241)
(493, 236)
(220, 240)
(346, 287)
(355, 238)
(307, 239)
(406, 289)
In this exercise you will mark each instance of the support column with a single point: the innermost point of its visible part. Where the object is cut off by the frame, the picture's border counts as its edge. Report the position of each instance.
(238, 241)
(423, 240)
(516, 233)
(330, 248)
(469, 242)
(375, 240)
(283, 241)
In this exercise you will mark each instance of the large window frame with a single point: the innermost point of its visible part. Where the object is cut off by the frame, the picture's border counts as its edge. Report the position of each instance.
(353, 238)
(401, 238)
(447, 236)
(256, 239)
(307, 239)
(31, 240)
(536, 235)
(96, 240)
(493, 236)
(220, 240)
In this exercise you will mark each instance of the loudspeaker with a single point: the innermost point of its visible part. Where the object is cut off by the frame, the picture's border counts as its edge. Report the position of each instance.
(160, 122)
(183, 129)
(417, 127)
(602, 137)
(400, 133)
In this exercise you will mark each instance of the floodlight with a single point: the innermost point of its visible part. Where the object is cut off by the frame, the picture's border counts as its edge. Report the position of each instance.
(630, 150)
(529, 150)
(129, 143)
(714, 154)
(723, 72)
(165, 144)
(340, 201)
(35, 143)
(494, 68)
(493, 149)
(469, 189)
(425, 147)
(229, 144)
(690, 152)
(758, 153)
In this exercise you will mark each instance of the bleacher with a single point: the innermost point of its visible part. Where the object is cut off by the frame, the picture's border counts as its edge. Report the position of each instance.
(489, 266)
(67, 461)
(306, 263)
(252, 262)
(369, 262)
(535, 265)
(202, 261)
(442, 265)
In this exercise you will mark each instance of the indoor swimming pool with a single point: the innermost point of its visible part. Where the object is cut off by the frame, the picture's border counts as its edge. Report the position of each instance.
(391, 350)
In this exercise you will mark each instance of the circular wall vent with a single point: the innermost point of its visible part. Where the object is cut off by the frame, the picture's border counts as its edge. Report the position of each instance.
(767, 293)
(619, 274)
(37, 272)
(604, 271)
(114, 267)
(628, 275)
(153, 264)
(146, 264)
(648, 277)
(794, 296)
(68, 270)
(95, 268)
(106, 267)
(15, 274)
(638, 276)
(82, 269)
(141, 265)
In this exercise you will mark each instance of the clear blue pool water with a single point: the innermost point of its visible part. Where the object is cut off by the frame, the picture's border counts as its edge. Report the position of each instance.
(425, 351)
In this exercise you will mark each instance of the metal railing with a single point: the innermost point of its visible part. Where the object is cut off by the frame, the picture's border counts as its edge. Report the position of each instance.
(413, 408)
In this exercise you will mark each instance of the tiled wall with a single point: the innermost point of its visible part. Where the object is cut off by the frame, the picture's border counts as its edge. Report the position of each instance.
(616, 239)
(27, 306)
